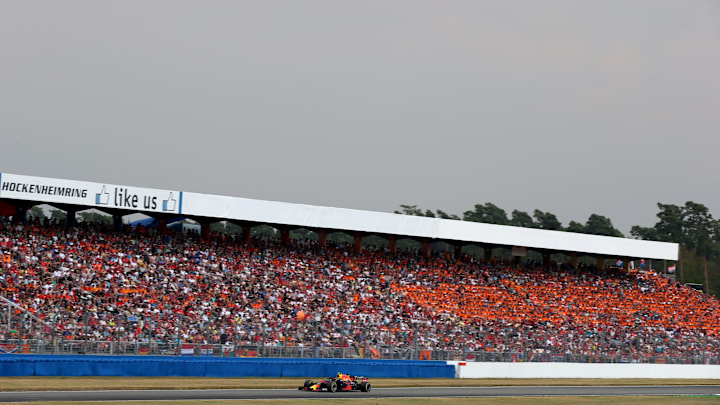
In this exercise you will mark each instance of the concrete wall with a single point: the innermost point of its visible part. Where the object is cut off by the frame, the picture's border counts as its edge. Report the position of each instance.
(583, 370)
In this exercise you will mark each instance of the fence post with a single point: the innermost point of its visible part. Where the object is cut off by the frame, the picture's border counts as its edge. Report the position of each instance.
(342, 342)
(178, 342)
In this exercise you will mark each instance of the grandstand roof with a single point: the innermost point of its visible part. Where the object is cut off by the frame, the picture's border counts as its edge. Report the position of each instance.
(102, 195)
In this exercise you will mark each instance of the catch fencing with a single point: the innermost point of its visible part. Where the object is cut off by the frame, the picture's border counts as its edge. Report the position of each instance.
(375, 352)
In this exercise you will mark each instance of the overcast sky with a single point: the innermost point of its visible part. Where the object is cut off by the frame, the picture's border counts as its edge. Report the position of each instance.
(572, 107)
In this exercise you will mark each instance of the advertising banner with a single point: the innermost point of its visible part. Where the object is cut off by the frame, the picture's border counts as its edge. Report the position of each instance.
(93, 195)
(187, 349)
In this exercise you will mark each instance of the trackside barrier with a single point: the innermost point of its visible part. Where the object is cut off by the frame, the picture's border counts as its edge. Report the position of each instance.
(375, 352)
(584, 370)
(155, 366)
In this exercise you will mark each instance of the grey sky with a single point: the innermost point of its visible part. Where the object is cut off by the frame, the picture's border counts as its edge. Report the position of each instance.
(573, 107)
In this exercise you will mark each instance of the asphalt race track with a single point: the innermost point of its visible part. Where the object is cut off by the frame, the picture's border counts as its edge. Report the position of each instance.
(429, 392)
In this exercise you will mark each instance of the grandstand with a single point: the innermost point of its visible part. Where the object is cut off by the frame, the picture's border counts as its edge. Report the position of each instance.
(94, 288)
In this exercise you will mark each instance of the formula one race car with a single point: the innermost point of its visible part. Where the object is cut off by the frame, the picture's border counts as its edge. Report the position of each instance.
(341, 382)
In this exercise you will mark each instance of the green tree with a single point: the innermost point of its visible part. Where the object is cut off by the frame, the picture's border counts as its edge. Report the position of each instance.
(225, 227)
(488, 213)
(523, 219)
(303, 234)
(94, 217)
(600, 225)
(418, 212)
(699, 227)
(233, 229)
(410, 210)
(264, 231)
(218, 227)
(693, 227)
(547, 220)
(36, 213)
(444, 215)
(576, 227)
(671, 224)
(58, 215)
(341, 238)
(645, 233)
(699, 236)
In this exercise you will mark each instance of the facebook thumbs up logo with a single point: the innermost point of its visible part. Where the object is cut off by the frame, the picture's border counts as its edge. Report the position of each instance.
(170, 203)
(103, 197)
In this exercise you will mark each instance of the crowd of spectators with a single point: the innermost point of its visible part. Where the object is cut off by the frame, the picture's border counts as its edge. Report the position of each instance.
(90, 282)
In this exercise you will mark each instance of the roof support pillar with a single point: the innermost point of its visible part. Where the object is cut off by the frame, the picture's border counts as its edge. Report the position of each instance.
(322, 237)
(162, 226)
(70, 220)
(357, 245)
(285, 236)
(7, 210)
(392, 244)
(626, 263)
(574, 260)
(488, 253)
(117, 222)
(458, 251)
(205, 230)
(246, 233)
(20, 216)
(546, 258)
(425, 248)
(600, 261)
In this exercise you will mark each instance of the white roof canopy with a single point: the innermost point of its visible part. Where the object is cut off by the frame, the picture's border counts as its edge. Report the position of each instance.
(99, 195)
(311, 216)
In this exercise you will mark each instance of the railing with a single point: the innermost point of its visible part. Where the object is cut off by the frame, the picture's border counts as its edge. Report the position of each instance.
(110, 348)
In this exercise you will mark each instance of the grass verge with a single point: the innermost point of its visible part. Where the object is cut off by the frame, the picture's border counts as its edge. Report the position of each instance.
(151, 383)
(641, 400)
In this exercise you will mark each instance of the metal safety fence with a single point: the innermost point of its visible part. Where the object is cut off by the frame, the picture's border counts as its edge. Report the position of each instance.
(385, 352)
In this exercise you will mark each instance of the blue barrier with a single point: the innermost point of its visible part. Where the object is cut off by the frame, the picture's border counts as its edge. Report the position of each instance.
(159, 366)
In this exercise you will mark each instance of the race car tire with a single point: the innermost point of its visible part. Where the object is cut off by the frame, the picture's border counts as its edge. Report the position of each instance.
(308, 383)
(332, 387)
(365, 386)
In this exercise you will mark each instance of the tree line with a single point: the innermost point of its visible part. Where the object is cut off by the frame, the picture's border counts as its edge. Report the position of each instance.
(490, 213)
(692, 226)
